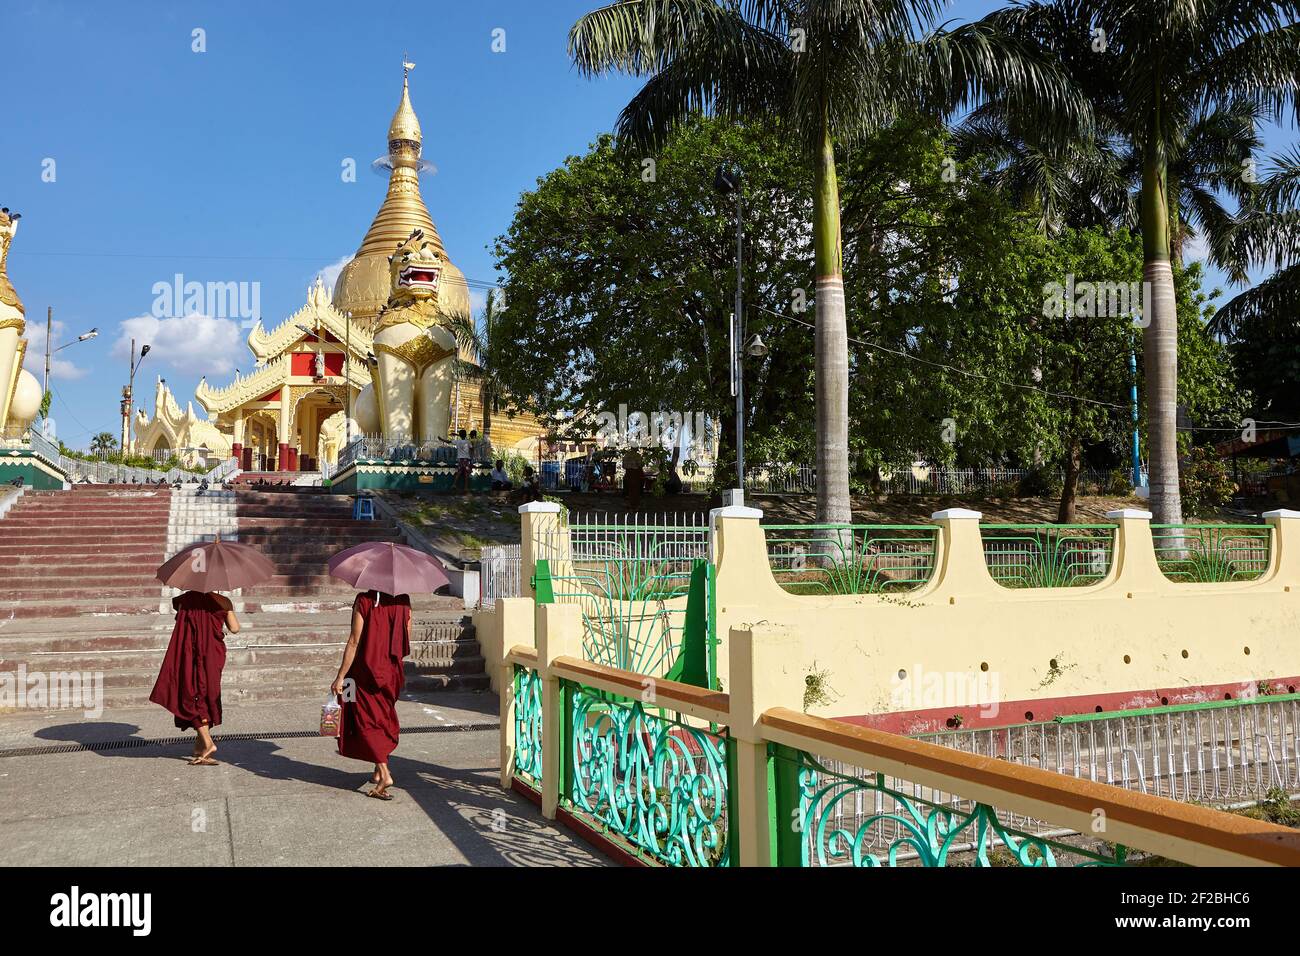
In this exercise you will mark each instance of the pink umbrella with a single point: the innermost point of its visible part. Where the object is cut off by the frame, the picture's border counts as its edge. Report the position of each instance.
(391, 568)
(217, 566)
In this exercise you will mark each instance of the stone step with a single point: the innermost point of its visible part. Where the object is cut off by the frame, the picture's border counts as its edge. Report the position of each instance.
(88, 532)
(13, 555)
(54, 575)
(457, 658)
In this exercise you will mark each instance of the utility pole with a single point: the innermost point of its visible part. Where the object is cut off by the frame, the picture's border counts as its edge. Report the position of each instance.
(49, 326)
(347, 383)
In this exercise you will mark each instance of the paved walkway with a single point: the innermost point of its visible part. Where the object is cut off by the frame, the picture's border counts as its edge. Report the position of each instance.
(284, 801)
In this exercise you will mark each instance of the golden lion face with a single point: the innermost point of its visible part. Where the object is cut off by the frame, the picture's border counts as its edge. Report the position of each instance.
(414, 270)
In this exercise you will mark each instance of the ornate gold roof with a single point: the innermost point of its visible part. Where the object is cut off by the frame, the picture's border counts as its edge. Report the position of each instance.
(318, 313)
(363, 285)
(271, 376)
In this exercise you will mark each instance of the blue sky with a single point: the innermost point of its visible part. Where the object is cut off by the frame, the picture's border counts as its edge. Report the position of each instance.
(225, 165)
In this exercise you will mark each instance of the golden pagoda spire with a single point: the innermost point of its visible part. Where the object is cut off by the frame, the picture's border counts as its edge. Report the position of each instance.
(363, 286)
(403, 209)
(405, 127)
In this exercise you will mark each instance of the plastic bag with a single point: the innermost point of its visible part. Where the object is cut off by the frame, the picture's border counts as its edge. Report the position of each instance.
(331, 717)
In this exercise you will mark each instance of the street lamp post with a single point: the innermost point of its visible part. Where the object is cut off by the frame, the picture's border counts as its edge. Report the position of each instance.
(127, 393)
(49, 328)
(727, 181)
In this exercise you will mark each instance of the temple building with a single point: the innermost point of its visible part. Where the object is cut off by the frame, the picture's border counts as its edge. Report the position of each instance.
(289, 412)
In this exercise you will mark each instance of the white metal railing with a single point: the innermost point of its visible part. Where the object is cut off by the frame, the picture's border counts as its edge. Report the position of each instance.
(500, 573)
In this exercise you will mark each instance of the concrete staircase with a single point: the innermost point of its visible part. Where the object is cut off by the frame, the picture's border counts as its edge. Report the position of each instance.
(78, 592)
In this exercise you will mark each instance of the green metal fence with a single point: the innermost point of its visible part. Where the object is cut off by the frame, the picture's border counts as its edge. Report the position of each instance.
(637, 773)
(851, 816)
(1212, 553)
(850, 558)
(1048, 555)
(528, 726)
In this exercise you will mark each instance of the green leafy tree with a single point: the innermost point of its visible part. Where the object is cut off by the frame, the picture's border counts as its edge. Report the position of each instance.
(1147, 73)
(620, 288)
(103, 444)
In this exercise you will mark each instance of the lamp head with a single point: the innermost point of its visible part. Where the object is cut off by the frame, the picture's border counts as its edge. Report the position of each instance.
(756, 347)
(727, 179)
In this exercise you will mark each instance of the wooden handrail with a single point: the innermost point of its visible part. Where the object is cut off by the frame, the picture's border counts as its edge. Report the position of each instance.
(522, 654)
(1031, 790)
(710, 705)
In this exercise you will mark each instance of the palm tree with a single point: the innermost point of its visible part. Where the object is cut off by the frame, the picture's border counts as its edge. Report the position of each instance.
(1262, 321)
(476, 362)
(103, 443)
(1267, 234)
(831, 72)
(1151, 72)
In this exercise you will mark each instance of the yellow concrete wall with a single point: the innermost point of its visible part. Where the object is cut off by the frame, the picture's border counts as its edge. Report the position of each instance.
(1132, 635)
(1133, 631)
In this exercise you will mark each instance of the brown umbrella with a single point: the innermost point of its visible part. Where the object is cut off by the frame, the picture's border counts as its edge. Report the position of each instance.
(388, 567)
(216, 566)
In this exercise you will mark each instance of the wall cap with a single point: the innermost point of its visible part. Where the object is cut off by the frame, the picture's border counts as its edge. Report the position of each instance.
(539, 507)
(1136, 513)
(736, 511)
(949, 514)
(1282, 513)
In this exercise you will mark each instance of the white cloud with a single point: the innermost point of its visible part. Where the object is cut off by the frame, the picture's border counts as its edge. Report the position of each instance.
(330, 273)
(1196, 249)
(62, 368)
(193, 343)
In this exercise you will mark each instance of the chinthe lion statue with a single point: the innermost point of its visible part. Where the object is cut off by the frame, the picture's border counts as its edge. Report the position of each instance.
(415, 349)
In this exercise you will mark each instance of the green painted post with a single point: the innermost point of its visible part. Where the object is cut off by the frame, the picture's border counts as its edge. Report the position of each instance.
(711, 577)
(691, 665)
(543, 588)
(785, 823)
(733, 812)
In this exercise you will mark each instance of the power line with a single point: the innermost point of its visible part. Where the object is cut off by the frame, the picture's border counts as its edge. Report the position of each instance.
(478, 283)
(953, 368)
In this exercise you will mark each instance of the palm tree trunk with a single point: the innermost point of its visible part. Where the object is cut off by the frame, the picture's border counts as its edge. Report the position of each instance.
(832, 345)
(1160, 344)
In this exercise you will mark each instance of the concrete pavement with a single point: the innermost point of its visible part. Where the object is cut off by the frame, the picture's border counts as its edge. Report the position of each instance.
(278, 800)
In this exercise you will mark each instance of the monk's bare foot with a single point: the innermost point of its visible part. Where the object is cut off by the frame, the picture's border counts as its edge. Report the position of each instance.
(204, 759)
(376, 777)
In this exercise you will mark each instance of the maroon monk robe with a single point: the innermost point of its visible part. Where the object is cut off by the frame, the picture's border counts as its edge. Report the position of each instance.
(189, 683)
(369, 729)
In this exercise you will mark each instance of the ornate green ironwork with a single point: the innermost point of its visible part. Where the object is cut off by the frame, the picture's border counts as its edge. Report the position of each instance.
(1212, 553)
(657, 783)
(862, 821)
(850, 558)
(528, 726)
(1048, 556)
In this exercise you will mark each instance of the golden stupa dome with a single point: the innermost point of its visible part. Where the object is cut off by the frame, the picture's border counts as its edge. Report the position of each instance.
(363, 285)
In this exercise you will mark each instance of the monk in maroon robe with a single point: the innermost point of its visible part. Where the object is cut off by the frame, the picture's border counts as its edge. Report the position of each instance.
(369, 680)
(189, 683)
